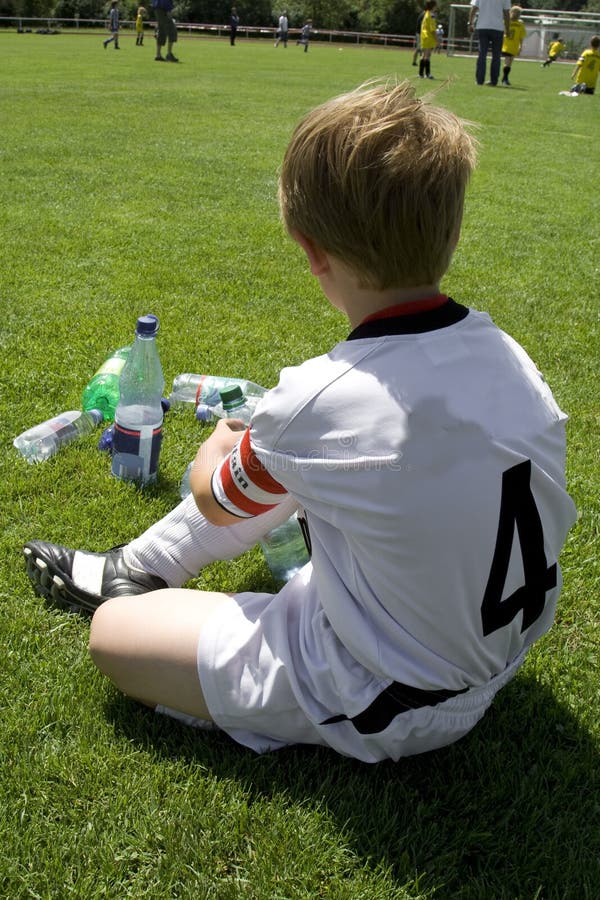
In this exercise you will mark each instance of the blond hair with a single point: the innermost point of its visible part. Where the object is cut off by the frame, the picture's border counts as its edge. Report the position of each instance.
(515, 12)
(376, 178)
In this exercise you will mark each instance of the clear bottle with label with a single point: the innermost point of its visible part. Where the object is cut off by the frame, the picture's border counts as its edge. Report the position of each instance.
(43, 441)
(139, 414)
(195, 389)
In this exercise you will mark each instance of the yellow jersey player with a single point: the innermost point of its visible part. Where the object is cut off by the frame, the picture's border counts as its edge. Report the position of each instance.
(428, 38)
(585, 73)
(555, 49)
(511, 45)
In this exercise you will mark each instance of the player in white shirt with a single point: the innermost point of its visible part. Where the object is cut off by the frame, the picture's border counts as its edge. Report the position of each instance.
(282, 29)
(425, 452)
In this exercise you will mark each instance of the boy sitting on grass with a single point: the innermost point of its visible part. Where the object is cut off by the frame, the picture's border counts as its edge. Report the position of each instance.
(426, 452)
(585, 73)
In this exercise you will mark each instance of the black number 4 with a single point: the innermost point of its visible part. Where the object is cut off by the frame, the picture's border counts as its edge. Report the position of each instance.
(517, 507)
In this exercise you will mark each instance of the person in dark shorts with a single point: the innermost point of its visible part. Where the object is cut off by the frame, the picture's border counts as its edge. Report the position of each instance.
(166, 32)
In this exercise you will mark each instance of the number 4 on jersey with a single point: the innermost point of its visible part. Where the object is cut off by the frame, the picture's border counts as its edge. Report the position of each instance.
(517, 508)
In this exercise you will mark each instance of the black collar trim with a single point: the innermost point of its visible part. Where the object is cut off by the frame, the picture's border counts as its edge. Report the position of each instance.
(416, 323)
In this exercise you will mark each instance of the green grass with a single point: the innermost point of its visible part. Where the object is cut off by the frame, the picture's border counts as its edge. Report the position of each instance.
(128, 188)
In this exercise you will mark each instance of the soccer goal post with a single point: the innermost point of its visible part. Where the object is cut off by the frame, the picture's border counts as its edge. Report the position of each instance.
(575, 30)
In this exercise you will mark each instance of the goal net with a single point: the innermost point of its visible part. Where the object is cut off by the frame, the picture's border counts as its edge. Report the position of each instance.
(575, 30)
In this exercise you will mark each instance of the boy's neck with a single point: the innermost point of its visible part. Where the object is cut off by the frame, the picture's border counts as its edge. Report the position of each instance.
(340, 285)
(365, 303)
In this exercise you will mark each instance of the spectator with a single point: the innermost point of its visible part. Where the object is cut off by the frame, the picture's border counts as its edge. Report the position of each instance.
(166, 32)
(234, 21)
(493, 22)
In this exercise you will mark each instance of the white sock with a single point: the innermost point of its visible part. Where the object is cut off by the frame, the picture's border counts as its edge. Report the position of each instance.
(183, 542)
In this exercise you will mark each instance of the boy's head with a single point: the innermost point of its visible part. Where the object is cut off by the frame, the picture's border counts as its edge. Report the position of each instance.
(515, 12)
(431, 4)
(595, 42)
(376, 178)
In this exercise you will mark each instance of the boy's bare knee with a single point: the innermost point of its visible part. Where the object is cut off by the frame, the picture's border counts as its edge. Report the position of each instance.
(101, 630)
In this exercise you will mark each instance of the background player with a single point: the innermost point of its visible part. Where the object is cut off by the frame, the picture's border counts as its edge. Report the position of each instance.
(585, 73)
(511, 45)
(428, 39)
(426, 451)
(554, 50)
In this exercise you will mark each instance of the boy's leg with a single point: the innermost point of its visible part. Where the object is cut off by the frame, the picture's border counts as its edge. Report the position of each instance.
(147, 645)
(180, 544)
(167, 554)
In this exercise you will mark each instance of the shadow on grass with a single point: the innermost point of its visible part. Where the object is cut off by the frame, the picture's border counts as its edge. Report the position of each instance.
(510, 811)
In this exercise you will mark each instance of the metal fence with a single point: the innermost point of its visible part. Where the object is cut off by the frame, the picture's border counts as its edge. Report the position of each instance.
(47, 25)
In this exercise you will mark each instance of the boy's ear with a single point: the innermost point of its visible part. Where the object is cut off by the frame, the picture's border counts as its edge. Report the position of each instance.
(317, 258)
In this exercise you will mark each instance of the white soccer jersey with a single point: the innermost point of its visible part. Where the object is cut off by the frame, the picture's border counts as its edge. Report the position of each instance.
(428, 454)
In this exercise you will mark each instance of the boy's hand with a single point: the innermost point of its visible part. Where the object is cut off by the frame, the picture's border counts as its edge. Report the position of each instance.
(210, 454)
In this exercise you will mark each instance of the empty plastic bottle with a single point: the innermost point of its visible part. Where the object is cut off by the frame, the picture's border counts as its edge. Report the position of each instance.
(189, 388)
(44, 440)
(285, 549)
(184, 487)
(234, 405)
(102, 390)
(139, 414)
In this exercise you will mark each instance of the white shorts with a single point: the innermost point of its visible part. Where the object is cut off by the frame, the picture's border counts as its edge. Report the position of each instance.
(267, 689)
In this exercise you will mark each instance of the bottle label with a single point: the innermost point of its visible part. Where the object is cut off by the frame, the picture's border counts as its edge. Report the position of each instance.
(136, 452)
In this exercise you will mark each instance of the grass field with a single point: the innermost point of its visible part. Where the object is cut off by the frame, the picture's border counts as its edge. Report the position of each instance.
(128, 188)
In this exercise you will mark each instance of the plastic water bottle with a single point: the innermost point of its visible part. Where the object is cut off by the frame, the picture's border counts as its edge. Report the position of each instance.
(189, 388)
(43, 441)
(102, 390)
(285, 550)
(139, 415)
(184, 487)
(234, 405)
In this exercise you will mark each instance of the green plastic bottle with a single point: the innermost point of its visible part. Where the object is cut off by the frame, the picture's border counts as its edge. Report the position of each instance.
(102, 391)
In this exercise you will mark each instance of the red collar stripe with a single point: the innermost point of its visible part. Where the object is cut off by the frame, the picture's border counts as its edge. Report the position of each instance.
(408, 309)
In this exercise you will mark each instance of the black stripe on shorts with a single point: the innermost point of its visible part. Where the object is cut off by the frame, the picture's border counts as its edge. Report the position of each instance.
(397, 698)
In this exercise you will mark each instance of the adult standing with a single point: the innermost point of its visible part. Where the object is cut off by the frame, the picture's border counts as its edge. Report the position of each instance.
(234, 21)
(417, 52)
(166, 32)
(282, 31)
(493, 22)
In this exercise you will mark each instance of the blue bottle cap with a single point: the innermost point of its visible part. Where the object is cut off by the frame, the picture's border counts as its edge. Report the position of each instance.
(106, 439)
(148, 325)
(204, 412)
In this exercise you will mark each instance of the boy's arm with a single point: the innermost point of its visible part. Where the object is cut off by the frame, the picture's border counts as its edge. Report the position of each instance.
(575, 71)
(506, 14)
(210, 455)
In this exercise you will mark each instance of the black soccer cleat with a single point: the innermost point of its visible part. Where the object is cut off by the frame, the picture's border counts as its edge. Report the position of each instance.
(79, 581)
